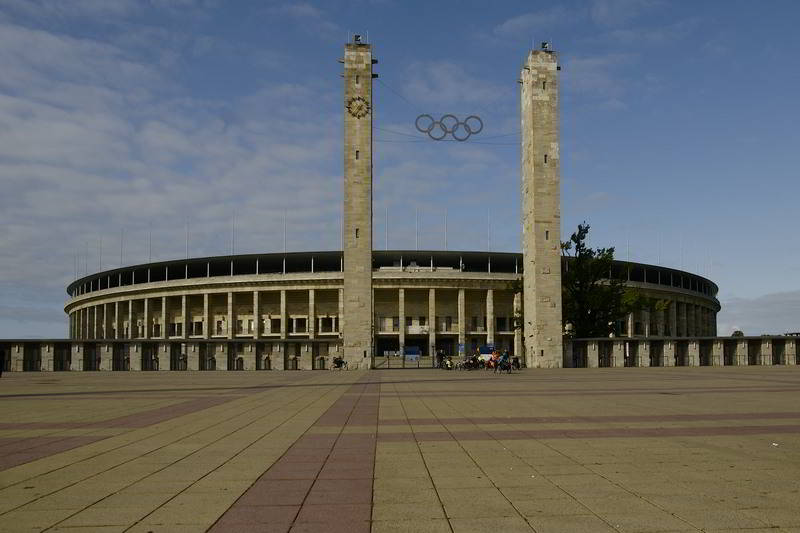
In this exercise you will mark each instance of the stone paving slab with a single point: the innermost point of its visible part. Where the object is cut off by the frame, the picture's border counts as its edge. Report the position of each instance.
(640, 450)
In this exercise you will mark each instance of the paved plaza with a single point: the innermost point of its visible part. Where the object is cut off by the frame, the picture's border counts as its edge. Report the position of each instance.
(651, 449)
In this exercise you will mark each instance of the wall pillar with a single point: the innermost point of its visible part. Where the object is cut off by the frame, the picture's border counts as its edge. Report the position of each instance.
(490, 316)
(278, 356)
(206, 318)
(618, 353)
(94, 321)
(117, 322)
(256, 319)
(146, 319)
(230, 316)
(693, 354)
(106, 352)
(192, 356)
(432, 323)
(790, 352)
(311, 323)
(668, 354)
(284, 318)
(136, 356)
(221, 356)
(163, 356)
(631, 323)
(646, 322)
(518, 348)
(163, 318)
(76, 357)
(401, 311)
(766, 352)
(592, 354)
(660, 322)
(462, 322)
(184, 319)
(643, 352)
(718, 353)
(741, 352)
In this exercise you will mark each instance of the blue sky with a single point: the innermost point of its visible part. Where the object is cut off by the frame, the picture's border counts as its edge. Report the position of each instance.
(679, 135)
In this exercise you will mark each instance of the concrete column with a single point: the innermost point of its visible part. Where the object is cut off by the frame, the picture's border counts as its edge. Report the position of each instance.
(489, 316)
(766, 352)
(673, 319)
(94, 321)
(618, 353)
(631, 324)
(401, 311)
(136, 356)
(340, 318)
(432, 322)
(312, 315)
(46, 353)
(462, 320)
(184, 319)
(206, 318)
(131, 325)
(75, 357)
(790, 352)
(718, 353)
(105, 352)
(660, 322)
(164, 318)
(643, 352)
(192, 356)
(646, 322)
(163, 356)
(86, 324)
(694, 353)
(283, 314)
(713, 323)
(518, 348)
(117, 322)
(146, 319)
(249, 356)
(221, 356)
(256, 320)
(230, 315)
(592, 354)
(741, 352)
(681, 331)
(668, 356)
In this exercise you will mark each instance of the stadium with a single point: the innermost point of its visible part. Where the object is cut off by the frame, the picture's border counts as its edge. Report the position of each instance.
(382, 308)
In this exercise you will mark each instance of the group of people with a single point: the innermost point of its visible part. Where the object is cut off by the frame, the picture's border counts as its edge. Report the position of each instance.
(497, 361)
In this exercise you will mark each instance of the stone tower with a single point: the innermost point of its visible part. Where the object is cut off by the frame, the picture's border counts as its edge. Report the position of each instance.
(357, 305)
(541, 211)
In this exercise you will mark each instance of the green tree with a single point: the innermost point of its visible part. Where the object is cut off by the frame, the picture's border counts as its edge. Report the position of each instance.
(592, 299)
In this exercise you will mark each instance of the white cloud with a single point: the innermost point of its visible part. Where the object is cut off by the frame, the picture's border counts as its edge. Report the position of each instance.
(775, 313)
(535, 22)
(616, 12)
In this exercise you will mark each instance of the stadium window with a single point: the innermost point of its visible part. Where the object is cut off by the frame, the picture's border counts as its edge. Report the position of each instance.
(357, 155)
(546, 235)
(545, 159)
(544, 85)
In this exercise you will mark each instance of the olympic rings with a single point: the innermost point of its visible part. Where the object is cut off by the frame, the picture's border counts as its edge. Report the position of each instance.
(449, 125)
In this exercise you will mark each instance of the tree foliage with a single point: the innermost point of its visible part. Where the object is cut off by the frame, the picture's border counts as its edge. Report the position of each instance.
(592, 299)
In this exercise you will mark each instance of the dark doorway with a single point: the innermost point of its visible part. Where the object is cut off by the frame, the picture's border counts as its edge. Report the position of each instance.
(149, 356)
(61, 357)
(91, 358)
(177, 356)
(31, 357)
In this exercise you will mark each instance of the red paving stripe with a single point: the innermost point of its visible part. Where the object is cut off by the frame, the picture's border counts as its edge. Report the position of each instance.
(323, 483)
(584, 392)
(588, 419)
(439, 436)
(33, 448)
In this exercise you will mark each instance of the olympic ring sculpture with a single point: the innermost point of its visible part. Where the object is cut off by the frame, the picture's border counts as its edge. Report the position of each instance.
(449, 125)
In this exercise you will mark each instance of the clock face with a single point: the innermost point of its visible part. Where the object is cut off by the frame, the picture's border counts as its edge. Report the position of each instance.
(358, 107)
